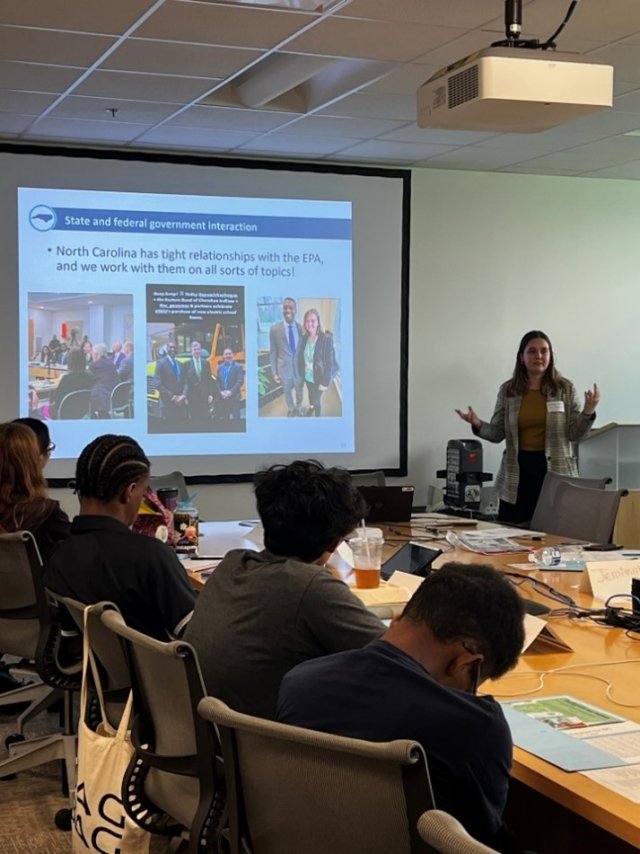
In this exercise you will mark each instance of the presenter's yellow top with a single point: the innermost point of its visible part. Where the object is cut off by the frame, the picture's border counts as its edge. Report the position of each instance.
(532, 421)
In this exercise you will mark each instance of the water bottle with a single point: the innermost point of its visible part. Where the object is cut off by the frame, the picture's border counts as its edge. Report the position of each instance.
(546, 557)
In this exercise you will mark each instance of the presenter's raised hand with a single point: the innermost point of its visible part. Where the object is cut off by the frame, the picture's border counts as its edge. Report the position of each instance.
(591, 399)
(470, 416)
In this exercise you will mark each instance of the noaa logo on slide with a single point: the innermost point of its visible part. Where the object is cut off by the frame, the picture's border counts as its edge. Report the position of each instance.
(42, 218)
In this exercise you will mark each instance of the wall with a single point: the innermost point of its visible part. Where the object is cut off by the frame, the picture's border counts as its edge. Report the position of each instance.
(492, 256)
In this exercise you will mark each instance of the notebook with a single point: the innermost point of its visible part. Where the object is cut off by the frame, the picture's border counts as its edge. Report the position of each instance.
(388, 503)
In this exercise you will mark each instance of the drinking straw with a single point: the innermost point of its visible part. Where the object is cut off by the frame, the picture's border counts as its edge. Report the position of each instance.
(366, 541)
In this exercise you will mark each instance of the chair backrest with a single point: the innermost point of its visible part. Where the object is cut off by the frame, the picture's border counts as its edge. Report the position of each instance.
(544, 513)
(29, 626)
(108, 650)
(444, 833)
(173, 479)
(173, 768)
(370, 478)
(585, 514)
(75, 406)
(291, 790)
(121, 398)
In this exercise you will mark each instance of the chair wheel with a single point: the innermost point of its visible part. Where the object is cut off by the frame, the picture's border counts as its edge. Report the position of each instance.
(14, 738)
(62, 819)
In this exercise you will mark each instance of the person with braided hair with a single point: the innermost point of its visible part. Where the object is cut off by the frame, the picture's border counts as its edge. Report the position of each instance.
(104, 560)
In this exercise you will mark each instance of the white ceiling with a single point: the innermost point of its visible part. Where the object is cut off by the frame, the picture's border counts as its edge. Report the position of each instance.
(65, 64)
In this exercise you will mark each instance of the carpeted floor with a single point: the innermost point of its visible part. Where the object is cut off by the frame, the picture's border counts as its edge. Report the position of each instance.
(29, 802)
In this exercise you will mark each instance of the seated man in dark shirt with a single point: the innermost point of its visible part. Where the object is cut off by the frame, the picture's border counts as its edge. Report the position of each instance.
(260, 613)
(463, 625)
(104, 560)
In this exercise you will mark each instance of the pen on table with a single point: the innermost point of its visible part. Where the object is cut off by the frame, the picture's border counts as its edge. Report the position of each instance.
(205, 557)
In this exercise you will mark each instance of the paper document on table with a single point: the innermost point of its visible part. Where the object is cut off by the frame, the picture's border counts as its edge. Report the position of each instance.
(540, 727)
(486, 543)
(609, 578)
(386, 594)
(624, 780)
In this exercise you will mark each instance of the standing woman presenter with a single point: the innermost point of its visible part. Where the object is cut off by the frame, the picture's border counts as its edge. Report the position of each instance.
(538, 415)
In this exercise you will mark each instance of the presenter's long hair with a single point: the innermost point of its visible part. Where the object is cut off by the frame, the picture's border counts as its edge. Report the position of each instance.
(21, 478)
(552, 381)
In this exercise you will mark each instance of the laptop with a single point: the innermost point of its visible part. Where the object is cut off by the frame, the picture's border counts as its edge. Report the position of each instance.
(388, 503)
(411, 558)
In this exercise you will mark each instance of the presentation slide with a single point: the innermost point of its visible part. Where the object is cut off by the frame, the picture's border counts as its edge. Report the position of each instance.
(178, 307)
(227, 314)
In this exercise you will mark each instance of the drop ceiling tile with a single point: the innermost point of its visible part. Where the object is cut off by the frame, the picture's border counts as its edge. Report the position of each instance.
(88, 108)
(11, 124)
(278, 143)
(230, 118)
(222, 25)
(36, 78)
(24, 102)
(157, 57)
(526, 169)
(381, 40)
(592, 20)
(629, 103)
(626, 171)
(374, 106)
(115, 16)
(457, 49)
(412, 133)
(48, 46)
(201, 138)
(81, 131)
(337, 126)
(399, 152)
(601, 125)
(624, 57)
(476, 157)
(403, 80)
(462, 13)
(152, 87)
(595, 155)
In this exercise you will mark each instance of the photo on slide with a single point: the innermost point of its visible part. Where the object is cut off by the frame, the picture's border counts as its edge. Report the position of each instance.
(80, 355)
(299, 343)
(195, 353)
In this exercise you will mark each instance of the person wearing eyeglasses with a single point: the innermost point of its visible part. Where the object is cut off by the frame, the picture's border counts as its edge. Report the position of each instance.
(43, 437)
(538, 415)
(24, 505)
(464, 624)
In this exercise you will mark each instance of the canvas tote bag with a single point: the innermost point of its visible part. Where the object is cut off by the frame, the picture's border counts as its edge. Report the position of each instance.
(100, 823)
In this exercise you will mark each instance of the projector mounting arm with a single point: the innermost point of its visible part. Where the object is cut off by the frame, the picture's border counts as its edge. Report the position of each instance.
(513, 28)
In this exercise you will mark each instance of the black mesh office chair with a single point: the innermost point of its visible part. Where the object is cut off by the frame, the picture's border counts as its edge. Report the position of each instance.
(30, 629)
(173, 782)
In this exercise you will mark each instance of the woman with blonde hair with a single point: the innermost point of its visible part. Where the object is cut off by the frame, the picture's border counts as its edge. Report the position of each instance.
(24, 505)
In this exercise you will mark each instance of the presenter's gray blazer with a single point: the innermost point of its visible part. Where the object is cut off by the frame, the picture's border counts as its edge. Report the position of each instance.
(284, 364)
(562, 429)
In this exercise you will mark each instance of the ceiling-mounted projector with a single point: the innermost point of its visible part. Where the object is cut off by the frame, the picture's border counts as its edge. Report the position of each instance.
(514, 90)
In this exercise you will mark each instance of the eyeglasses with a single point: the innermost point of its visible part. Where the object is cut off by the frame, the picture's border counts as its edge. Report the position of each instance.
(51, 447)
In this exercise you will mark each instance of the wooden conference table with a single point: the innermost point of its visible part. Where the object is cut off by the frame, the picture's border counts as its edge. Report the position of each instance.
(551, 810)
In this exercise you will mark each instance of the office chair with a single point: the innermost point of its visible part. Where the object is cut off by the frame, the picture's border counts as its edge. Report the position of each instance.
(120, 405)
(293, 790)
(173, 783)
(544, 513)
(109, 654)
(584, 514)
(75, 406)
(444, 833)
(370, 478)
(174, 479)
(30, 629)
